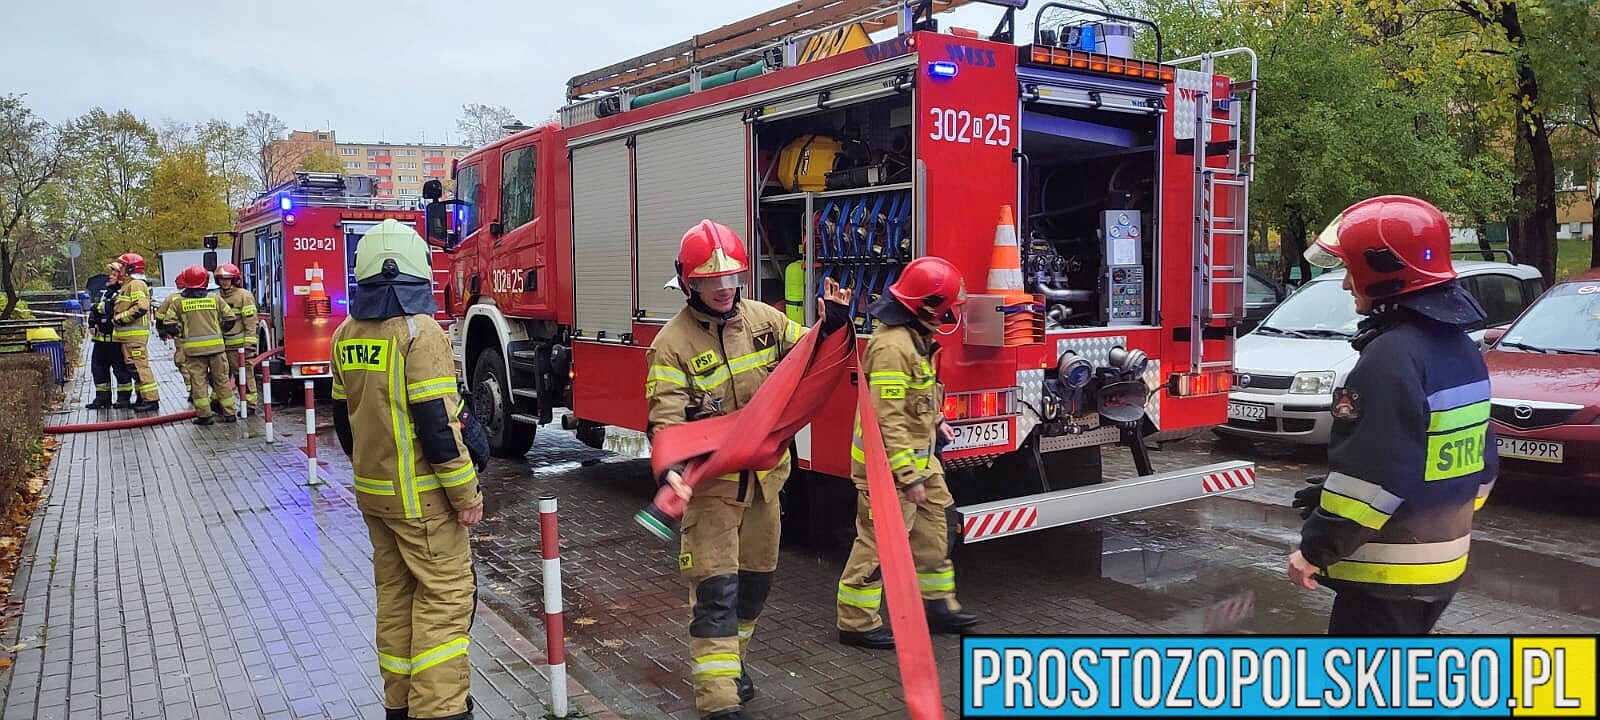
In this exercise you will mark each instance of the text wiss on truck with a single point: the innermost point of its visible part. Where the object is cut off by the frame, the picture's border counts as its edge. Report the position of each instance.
(296, 245)
(836, 157)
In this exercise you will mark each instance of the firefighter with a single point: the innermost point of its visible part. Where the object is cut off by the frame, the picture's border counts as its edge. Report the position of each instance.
(907, 396)
(1412, 454)
(105, 359)
(131, 320)
(708, 361)
(172, 332)
(242, 342)
(395, 412)
(198, 319)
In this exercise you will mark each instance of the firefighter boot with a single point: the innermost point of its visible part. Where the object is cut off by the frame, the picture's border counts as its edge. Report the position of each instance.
(734, 713)
(878, 638)
(124, 399)
(746, 687)
(396, 714)
(203, 420)
(146, 406)
(102, 400)
(942, 618)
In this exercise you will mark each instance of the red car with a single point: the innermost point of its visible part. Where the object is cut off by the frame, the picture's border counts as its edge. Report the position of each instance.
(1544, 376)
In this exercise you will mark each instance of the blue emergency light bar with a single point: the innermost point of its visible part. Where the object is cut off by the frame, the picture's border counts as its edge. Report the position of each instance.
(942, 69)
(285, 202)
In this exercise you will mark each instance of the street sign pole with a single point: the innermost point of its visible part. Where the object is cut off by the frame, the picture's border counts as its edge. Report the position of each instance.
(73, 251)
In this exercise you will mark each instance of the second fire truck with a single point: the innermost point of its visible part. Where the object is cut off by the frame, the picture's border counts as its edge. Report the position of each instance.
(837, 157)
(296, 245)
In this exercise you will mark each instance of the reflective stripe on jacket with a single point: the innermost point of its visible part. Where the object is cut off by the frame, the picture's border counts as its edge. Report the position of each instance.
(384, 370)
(909, 401)
(200, 321)
(700, 366)
(131, 312)
(244, 305)
(1412, 457)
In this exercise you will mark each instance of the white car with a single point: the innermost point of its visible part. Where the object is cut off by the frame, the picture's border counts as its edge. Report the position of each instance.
(1287, 368)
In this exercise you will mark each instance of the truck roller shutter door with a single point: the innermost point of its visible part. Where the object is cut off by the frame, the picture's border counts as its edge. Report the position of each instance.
(600, 240)
(686, 173)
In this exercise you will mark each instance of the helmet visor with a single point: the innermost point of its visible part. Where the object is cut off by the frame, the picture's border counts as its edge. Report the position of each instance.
(719, 282)
(1324, 253)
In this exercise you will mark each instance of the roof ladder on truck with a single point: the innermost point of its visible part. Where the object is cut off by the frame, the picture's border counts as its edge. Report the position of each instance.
(1221, 202)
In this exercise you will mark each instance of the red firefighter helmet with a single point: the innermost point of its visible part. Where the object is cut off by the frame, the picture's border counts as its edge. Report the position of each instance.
(193, 277)
(710, 252)
(1390, 245)
(132, 263)
(932, 288)
(228, 270)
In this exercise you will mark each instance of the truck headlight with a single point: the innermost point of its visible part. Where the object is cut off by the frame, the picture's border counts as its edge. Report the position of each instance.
(1312, 383)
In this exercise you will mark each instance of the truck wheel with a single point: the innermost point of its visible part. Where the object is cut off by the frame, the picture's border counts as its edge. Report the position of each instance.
(492, 399)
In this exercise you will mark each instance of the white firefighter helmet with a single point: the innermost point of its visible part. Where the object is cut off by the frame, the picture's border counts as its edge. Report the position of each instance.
(391, 250)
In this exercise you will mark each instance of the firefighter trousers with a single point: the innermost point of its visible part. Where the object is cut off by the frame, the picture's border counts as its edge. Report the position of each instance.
(1362, 613)
(106, 364)
(427, 596)
(181, 360)
(729, 553)
(208, 374)
(137, 354)
(861, 585)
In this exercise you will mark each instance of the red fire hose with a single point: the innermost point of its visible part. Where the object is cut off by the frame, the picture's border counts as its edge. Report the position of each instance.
(137, 421)
(789, 399)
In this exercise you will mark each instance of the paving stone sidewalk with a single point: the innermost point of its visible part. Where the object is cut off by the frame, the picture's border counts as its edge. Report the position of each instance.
(179, 571)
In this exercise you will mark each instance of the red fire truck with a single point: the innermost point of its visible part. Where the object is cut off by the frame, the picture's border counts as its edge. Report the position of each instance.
(296, 245)
(839, 157)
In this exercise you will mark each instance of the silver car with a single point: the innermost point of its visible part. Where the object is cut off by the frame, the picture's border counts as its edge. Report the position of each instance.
(1287, 368)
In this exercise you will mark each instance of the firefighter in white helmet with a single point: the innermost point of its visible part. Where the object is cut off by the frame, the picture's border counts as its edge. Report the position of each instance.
(708, 361)
(396, 410)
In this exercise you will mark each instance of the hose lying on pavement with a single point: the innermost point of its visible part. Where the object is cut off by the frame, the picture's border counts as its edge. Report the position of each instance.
(119, 424)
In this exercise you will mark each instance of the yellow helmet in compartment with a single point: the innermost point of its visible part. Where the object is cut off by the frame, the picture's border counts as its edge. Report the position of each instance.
(804, 164)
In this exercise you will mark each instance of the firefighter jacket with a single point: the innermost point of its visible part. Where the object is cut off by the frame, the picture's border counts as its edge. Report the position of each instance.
(198, 319)
(100, 325)
(131, 312)
(395, 410)
(702, 366)
(1411, 459)
(244, 305)
(909, 401)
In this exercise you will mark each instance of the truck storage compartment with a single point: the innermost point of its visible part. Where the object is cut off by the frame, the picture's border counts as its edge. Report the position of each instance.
(836, 202)
(1090, 212)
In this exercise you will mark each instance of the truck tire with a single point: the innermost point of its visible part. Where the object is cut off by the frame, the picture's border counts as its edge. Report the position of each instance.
(492, 399)
(591, 434)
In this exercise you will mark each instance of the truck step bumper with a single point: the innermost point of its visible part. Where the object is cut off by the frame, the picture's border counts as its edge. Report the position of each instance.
(1014, 516)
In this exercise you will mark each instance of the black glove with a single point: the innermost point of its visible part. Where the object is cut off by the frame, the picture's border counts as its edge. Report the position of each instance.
(838, 316)
(1308, 498)
(472, 434)
(939, 443)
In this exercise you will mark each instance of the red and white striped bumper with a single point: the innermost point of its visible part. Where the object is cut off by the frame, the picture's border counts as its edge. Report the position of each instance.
(1014, 516)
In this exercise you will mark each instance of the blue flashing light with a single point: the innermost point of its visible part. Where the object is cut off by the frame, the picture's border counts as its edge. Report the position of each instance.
(942, 69)
(1427, 254)
(285, 203)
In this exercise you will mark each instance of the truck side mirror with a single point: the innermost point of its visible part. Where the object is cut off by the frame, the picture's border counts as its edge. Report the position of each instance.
(210, 242)
(210, 261)
(437, 215)
(1493, 335)
(432, 190)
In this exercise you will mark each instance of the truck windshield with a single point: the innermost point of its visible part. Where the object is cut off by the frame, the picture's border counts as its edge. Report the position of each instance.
(1320, 309)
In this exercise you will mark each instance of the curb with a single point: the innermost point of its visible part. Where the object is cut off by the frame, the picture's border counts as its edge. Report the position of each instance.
(581, 700)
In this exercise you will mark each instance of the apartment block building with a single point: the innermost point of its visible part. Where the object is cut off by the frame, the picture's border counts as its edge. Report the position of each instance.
(399, 168)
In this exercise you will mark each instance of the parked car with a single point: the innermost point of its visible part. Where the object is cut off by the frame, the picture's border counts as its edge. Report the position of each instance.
(1287, 369)
(1544, 379)
(1261, 296)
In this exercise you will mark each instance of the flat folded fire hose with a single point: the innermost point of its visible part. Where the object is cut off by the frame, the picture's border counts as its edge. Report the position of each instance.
(758, 434)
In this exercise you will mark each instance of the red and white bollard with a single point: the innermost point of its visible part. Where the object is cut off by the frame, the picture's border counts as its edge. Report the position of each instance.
(244, 386)
(556, 643)
(311, 434)
(266, 402)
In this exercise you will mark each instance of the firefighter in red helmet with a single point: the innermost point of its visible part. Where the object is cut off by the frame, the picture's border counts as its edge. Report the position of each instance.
(1412, 454)
(131, 326)
(199, 320)
(708, 361)
(242, 341)
(906, 393)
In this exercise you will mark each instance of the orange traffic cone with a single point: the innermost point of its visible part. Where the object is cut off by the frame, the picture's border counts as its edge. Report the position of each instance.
(317, 303)
(1005, 264)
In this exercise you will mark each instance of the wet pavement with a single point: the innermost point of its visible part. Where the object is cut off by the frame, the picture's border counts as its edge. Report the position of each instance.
(1215, 566)
(178, 572)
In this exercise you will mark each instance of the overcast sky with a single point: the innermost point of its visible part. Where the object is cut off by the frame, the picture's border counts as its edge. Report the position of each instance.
(397, 70)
